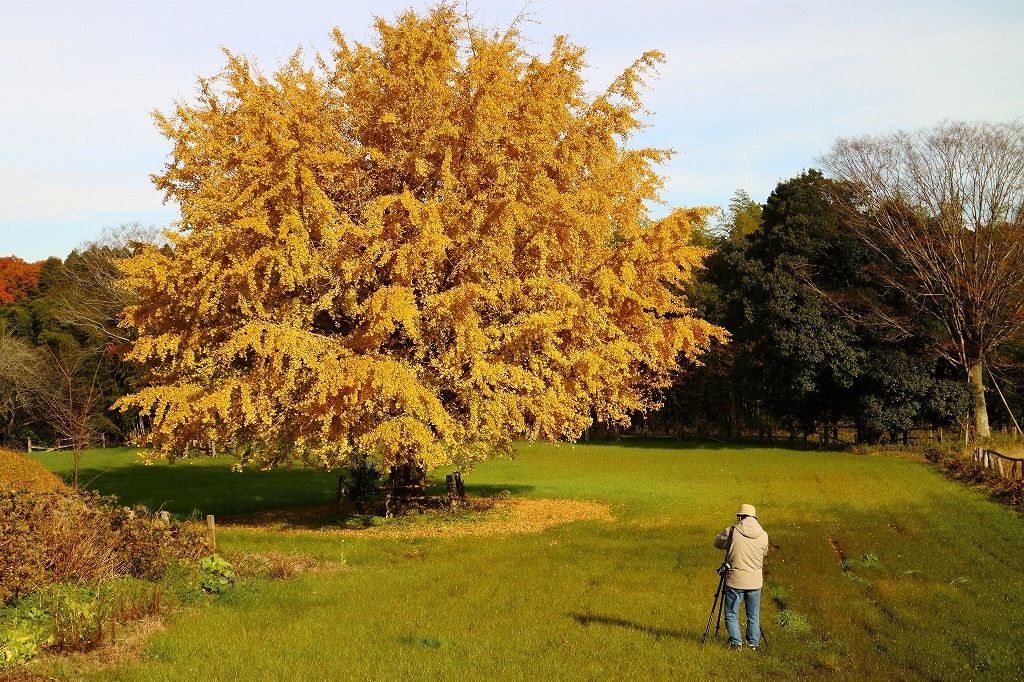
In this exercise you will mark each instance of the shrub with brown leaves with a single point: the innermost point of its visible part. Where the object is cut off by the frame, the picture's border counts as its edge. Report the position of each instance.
(1008, 490)
(66, 536)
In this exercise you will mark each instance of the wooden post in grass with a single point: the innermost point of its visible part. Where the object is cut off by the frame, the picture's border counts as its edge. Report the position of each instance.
(211, 532)
(30, 445)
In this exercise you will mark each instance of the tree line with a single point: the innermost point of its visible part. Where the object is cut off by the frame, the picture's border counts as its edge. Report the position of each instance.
(809, 352)
(427, 246)
(819, 339)
(887, 295)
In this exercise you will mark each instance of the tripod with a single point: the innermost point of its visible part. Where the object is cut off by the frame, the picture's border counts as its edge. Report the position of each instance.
(719, 602)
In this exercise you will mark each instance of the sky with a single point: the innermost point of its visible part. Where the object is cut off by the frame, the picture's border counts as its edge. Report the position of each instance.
(752, 93)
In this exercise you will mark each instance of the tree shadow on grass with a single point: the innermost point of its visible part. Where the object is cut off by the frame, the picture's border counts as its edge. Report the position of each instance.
(371, 513)
(586, 619)
(187, 489)
(314, 517)
(694, 443)
(201, 486)
(494, 489)
(658, 443)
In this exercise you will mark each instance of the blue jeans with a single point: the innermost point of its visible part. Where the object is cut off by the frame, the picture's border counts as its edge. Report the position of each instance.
(752, 599)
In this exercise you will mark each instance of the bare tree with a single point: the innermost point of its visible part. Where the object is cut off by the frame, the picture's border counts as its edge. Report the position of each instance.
(944, 206)
(21, 367)
(67, 396)
(93, 302)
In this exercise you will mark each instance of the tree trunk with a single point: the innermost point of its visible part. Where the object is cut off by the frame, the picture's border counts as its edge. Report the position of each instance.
(974, 375)
(76, 453)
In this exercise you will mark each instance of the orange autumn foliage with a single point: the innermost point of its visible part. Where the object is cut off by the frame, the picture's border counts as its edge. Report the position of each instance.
(419, 250)
(18, 279)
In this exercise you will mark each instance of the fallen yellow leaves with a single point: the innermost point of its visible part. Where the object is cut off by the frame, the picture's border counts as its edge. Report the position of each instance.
(21, 472)
(512, 516)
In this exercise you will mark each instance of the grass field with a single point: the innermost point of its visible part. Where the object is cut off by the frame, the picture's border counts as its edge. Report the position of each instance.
(880, 568)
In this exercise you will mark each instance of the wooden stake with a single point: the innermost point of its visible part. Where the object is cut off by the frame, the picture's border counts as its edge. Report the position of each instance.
(211, 531)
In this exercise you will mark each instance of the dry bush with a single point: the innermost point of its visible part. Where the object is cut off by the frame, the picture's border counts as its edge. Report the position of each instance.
(275, 566)
(1008, 490)
(69, 536)
(80, 547)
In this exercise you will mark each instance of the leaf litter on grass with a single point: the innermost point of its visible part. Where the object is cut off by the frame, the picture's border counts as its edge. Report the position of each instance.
(511, 516)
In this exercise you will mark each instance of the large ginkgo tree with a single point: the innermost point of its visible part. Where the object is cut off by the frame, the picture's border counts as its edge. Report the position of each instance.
(417, 249)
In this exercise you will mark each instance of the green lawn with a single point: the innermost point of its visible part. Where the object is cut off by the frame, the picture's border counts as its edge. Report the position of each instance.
(898, 574)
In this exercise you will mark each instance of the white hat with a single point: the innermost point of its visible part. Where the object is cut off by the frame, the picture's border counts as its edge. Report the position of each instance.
(747, 510)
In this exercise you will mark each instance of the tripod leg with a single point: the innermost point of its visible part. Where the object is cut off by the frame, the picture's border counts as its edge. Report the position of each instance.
(711, 616)
(721, 607)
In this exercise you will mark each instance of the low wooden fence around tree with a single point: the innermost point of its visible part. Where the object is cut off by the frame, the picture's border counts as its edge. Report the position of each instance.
(1005, 466)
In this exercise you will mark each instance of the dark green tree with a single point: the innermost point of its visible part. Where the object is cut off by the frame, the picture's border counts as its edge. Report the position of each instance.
(800, 297)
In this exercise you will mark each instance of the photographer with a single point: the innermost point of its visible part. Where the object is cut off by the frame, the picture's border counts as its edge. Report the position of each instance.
(745, 546)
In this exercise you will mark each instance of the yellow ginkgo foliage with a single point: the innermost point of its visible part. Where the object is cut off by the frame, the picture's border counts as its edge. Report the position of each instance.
(420, 249)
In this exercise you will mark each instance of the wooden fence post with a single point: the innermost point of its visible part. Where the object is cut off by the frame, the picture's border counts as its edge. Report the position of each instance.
(30, 446)
(211, 531)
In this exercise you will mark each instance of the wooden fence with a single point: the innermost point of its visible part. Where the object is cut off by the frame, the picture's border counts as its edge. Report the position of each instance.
(61, 444)
(1007, 467)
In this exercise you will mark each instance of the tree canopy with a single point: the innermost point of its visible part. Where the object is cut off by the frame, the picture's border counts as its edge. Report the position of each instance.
(742, 216)
(418, 249)
(18, 279)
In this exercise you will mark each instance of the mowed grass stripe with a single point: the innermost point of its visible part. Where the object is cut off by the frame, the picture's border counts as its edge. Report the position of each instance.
(887, 571)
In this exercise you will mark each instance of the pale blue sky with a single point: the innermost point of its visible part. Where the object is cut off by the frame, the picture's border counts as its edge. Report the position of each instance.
(752, 92)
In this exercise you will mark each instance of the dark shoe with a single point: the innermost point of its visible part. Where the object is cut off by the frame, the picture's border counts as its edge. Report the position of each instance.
(736, 646)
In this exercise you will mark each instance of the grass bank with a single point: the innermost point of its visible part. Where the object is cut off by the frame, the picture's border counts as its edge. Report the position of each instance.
(880, 568)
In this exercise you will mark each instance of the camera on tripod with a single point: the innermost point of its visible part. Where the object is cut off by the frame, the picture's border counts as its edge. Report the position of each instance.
(724, 568)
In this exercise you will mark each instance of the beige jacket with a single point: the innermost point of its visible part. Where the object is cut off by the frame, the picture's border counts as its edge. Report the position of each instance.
(745, 555)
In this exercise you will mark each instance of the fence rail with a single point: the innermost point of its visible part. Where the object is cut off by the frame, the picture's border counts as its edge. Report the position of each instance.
(1004, 465)
(61, 444)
